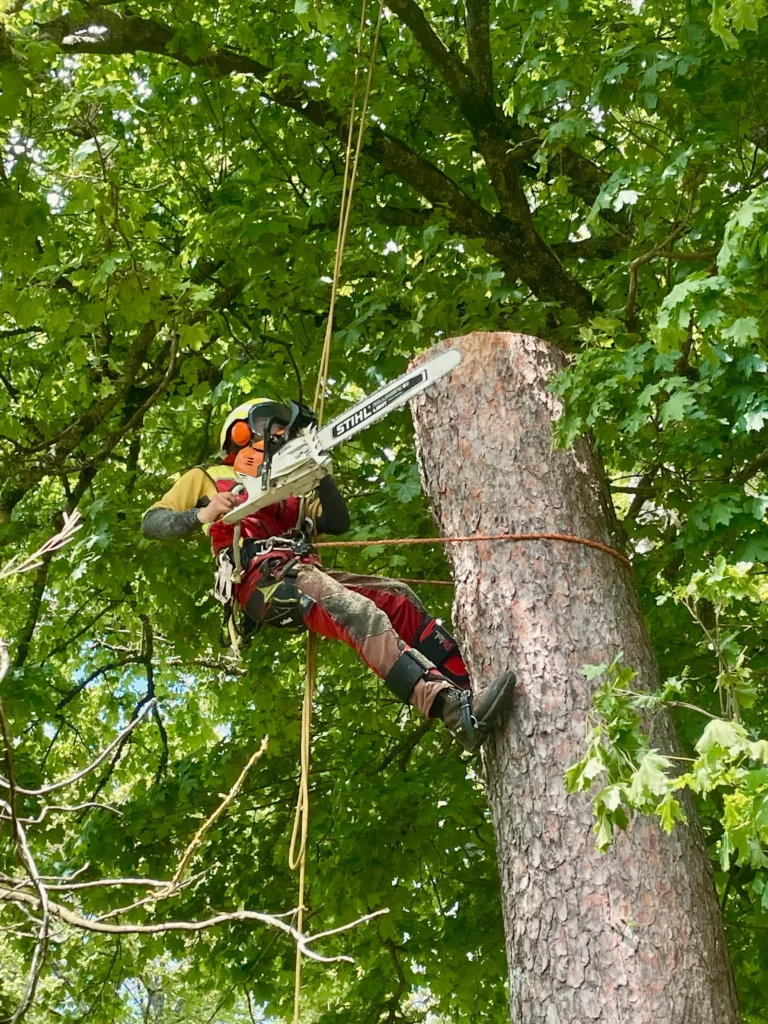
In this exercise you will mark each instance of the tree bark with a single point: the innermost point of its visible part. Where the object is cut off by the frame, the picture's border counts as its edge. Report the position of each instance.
(634, 936)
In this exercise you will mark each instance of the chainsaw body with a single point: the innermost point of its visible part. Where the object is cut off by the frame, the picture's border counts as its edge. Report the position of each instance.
(295, 469)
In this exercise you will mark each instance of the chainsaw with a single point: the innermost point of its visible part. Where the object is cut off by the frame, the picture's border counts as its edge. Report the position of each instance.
(295, 461)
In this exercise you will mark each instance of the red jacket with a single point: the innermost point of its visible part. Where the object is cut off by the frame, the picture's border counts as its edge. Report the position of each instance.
(273, 521)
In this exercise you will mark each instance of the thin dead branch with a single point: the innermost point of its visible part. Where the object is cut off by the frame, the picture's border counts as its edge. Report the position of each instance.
(27, 861)
(186, 857)
(5, 815)
(63, 783)
(304, 942)
(72, 523)
(30, 893)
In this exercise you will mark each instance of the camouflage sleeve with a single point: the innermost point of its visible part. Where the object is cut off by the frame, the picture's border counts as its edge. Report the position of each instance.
(175, 515)
(165, 523)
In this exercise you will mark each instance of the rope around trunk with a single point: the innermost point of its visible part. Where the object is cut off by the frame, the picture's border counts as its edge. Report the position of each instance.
(511, 538)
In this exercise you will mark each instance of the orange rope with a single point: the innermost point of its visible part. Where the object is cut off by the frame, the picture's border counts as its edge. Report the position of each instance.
(433, 583)
(510, 537)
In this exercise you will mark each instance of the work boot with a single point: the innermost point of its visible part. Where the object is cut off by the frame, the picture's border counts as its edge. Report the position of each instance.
(471, 718)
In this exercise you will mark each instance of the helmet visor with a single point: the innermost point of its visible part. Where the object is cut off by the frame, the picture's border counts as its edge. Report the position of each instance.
(274, 414)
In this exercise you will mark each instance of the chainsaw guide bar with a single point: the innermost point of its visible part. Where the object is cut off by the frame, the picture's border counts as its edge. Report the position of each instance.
(388, 397)
(299, 466)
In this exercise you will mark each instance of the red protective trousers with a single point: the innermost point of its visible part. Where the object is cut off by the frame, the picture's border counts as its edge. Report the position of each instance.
(381, 619)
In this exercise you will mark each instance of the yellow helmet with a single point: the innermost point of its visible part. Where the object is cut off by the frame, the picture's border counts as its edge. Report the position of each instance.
(250, 413)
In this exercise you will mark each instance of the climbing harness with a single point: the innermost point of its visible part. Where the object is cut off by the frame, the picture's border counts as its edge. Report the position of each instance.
(223, 591)
(224, 580)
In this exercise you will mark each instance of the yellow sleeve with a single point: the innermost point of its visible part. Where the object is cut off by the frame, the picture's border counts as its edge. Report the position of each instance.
(187, 491)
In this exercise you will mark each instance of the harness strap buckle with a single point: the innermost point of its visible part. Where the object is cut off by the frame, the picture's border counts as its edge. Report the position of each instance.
(224, 578)
(468, 720)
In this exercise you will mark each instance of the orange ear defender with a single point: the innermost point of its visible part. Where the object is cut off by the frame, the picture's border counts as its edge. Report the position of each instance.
(240, 433)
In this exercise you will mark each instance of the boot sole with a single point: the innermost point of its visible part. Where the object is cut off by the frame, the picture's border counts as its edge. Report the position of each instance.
(491, 700)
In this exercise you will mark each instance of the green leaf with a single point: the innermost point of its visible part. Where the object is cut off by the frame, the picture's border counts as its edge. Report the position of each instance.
(743, 330)
(670, 811)
(609, 798)
(676, 407)
(759, 750)
(755, 419)
(193, 336)
(722, 736)
(721, 514)
(304, 13)
(650, 779)
(593, 671)
(83, 151)
(754, 549)
(580, 776)
(604, 834)
(625, 197)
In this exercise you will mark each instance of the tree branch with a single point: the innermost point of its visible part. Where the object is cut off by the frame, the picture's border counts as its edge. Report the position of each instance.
(404, 748)
(62, 809)
(752, 468)
(214, 817)
(10, 387)
(643, 492)
(129, 34)
(450, 67)
(161, 927)
(147, 657)
(32, 892)
(479, 47)
(72, 779)
(68, 697)
(658, 251)
(68, 438)
(405, 216)
(465, 214)
(83, 629)
(511, 239)
(14, 332)
(35, 604)
(66, 441)
(27, 861)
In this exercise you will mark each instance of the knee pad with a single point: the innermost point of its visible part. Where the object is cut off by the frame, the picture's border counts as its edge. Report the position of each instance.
(280, 604)
(435, 643)
(438, 645)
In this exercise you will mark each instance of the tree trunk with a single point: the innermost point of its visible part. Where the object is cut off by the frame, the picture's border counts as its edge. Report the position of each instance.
(634, 936)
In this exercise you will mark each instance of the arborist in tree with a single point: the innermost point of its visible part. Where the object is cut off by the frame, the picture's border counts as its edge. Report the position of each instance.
(282, 582)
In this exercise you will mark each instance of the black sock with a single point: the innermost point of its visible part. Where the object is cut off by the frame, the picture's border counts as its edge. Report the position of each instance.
(436, 711)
